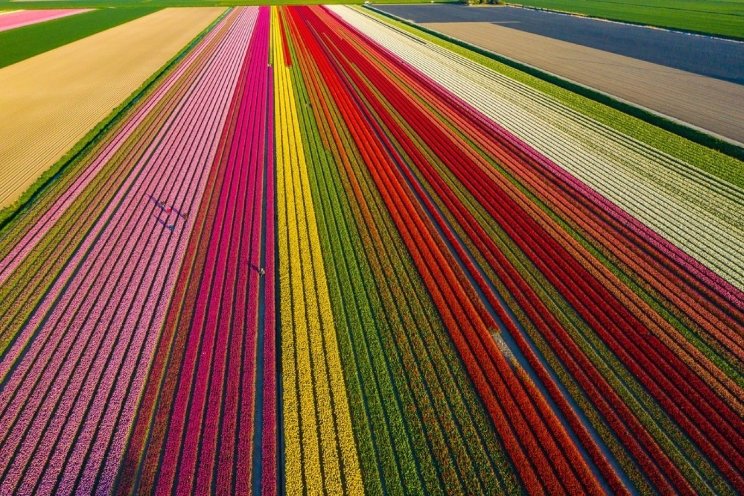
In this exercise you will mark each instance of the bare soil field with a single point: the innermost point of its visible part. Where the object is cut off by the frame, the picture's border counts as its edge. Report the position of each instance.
(49, 102)
(708, 103)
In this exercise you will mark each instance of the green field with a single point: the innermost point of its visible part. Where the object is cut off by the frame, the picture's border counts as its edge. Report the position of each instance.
(24, 42)
(720, 17)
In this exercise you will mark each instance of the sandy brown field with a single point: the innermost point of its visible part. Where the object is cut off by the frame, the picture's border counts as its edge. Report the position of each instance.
(704, 102)
(49, 102)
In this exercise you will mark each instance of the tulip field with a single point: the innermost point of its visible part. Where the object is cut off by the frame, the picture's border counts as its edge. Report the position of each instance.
(20, 18)
(320, 254)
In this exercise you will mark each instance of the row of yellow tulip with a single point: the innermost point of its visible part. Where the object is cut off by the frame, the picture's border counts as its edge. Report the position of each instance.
(317, 421)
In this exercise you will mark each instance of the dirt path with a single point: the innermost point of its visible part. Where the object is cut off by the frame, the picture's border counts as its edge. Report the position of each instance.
(704, 102)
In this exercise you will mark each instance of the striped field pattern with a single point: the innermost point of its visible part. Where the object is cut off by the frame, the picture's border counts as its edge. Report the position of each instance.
(20, 18)
(322, 255)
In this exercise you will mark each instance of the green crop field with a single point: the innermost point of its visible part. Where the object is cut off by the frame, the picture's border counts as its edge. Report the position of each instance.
(720, 17)
(24, 42)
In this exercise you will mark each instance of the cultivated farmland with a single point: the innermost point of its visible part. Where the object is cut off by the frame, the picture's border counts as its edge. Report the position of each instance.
(49, 102)
(19, 18)
(323, 253)
(720, 17)
(22, 43)
(702, 101)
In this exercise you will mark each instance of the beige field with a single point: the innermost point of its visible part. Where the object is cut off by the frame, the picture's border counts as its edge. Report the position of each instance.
(49, 102)
(704, 102)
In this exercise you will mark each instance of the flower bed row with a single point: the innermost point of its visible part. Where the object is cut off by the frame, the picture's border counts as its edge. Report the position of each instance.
(71, 392)
(220, 313)
(320, 450)
(415, 411)
(11, 20)
(478, 186)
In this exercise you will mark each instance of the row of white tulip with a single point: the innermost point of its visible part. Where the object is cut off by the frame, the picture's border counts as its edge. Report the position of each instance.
(691, 208)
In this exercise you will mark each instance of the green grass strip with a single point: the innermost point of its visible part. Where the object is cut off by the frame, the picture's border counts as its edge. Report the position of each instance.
(25, 42)
(698, 149)
(716, 17)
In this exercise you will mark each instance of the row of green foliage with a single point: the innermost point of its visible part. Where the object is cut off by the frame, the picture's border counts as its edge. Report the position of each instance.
(718, 17)
(643, 126)
(400, 366)
(24, 42)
